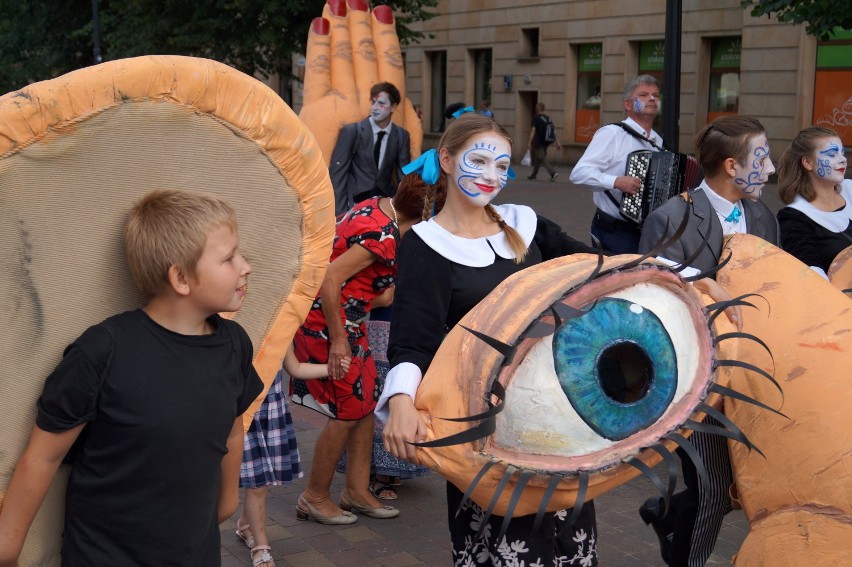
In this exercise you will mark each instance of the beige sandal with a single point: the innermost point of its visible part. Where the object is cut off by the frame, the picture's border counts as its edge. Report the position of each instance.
(265, 556)
(245, 534)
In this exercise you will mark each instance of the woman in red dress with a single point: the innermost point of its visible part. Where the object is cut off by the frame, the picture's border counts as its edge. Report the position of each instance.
(361, 275)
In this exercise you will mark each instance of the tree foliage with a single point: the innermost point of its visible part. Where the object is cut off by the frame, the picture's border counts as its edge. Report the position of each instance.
(821, 17)
(41, 39)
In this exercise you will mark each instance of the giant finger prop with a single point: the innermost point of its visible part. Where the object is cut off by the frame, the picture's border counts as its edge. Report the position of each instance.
(77, 151)
(351, 48)
(798, 499)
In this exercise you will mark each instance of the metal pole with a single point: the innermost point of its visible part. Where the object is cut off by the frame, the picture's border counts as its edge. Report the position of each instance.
(671, 75)
(96, 33)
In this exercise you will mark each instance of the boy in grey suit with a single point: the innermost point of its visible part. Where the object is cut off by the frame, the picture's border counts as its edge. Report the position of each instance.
(734, 154)
(368, 157)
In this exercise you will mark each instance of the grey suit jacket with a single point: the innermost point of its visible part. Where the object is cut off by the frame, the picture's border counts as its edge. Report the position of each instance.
(702, 224)
(353, 169)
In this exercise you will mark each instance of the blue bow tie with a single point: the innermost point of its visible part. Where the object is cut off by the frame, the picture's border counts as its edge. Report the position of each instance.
(734, 216)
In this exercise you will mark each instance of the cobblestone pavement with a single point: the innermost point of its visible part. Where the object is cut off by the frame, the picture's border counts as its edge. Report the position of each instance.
(419, 536)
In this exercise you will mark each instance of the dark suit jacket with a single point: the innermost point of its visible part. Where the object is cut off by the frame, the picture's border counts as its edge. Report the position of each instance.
(353, 169)
(702, 223)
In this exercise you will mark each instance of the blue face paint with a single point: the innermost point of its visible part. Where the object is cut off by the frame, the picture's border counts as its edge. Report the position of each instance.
(473, 168)
(752, 183)
(637, 105)
(831, 162)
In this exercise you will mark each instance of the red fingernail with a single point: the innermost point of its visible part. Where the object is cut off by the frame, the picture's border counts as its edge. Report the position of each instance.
(384, 14)
(338, 7)
(320, 26)
(360, 5)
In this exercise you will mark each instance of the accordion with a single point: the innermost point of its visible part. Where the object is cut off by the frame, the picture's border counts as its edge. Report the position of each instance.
(663, 174)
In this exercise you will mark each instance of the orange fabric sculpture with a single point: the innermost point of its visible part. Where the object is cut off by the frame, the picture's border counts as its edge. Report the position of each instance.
(77, 151)
(349, 51)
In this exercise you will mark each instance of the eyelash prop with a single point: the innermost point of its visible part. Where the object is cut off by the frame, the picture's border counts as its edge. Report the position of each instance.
(508, 483)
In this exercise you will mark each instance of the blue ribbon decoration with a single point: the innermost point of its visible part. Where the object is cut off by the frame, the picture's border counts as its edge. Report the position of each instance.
(734, 216)
(461, 111)
(426, 166)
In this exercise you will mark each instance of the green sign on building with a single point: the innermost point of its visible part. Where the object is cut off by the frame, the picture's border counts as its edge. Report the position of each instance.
(652, 55)
(591, 55)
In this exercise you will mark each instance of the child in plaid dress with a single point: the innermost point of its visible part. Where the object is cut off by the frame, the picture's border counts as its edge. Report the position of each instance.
(270, 456)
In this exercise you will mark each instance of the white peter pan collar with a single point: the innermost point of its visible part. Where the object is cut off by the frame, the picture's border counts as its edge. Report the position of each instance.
(479, 252)
(835, 221)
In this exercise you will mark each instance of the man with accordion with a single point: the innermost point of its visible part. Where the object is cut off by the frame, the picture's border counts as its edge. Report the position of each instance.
(604, 164)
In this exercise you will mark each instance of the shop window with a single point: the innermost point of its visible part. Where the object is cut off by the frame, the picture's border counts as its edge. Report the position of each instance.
(651, 60)
(588, 112)
(833, 85)
(438, 93)
(724, 77)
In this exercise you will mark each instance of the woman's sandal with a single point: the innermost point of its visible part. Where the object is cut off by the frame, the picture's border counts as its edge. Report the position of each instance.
(265, 558)
(245, 534)
(383, 490)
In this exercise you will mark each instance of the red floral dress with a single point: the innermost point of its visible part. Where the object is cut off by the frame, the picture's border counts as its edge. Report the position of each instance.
(354, 396)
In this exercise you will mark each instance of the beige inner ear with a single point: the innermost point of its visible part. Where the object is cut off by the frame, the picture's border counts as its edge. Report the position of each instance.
(63, 205)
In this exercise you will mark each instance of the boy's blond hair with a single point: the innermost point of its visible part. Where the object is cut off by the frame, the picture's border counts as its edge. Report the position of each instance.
(168, 227)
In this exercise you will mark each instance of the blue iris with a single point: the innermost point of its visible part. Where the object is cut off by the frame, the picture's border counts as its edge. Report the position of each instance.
(617, 366)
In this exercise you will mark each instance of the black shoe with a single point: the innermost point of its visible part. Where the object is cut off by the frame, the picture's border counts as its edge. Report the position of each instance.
(650, 512)
(554, 176)
(531, 177)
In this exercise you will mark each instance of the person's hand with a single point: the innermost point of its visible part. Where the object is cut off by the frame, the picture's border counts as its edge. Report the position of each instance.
(627, 184)
(385, 299)
(348, 52)
(404, 425)
(712, 288)
(339, 358)
(345, 363)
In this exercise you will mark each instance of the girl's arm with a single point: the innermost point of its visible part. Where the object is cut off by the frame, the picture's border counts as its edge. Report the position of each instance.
(309, 370)
(33, 474)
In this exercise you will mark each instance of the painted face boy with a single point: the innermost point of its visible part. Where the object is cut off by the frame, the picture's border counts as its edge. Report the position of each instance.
(481, 168)
(752, 175)
(381, 108)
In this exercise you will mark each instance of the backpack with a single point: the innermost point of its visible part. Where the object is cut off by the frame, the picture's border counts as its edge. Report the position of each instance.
(549, 131)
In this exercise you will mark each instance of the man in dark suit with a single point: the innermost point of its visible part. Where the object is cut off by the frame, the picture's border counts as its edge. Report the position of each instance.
(734, 154)
(368, 157)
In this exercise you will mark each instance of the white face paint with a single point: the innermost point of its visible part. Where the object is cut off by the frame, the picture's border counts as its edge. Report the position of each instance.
(481, 167)
(646, 101)
(381, 108)
(829, 160)
(753, 175)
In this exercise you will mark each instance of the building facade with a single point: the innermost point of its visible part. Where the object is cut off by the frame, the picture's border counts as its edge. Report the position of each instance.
(575, 56)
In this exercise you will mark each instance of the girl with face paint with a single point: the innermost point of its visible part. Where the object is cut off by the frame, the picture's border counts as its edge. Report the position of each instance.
(816, 224)
(446, 266)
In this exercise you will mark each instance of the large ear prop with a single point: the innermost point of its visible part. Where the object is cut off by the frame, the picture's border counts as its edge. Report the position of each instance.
(798, 499)
(77, 151)
(571, 378)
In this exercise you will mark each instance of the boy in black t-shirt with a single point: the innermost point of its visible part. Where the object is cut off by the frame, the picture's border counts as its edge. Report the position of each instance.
(151, 400)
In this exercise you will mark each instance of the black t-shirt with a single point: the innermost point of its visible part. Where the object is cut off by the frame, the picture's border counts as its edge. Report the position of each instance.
(539, 122)
(158, 408)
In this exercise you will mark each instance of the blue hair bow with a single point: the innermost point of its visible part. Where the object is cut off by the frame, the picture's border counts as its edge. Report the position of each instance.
(426, 166)
(461, 111)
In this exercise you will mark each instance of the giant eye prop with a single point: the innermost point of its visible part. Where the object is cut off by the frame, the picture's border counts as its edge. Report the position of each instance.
(567, 414)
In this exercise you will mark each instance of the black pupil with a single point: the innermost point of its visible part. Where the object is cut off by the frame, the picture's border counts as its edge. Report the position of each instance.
(625, 372)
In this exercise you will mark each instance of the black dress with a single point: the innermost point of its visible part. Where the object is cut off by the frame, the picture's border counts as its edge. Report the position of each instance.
(441, 277)
(816, 237)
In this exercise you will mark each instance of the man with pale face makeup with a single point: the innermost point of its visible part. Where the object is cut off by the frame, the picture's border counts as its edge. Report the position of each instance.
(734, 153)
(367, 159)
(602, 166)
